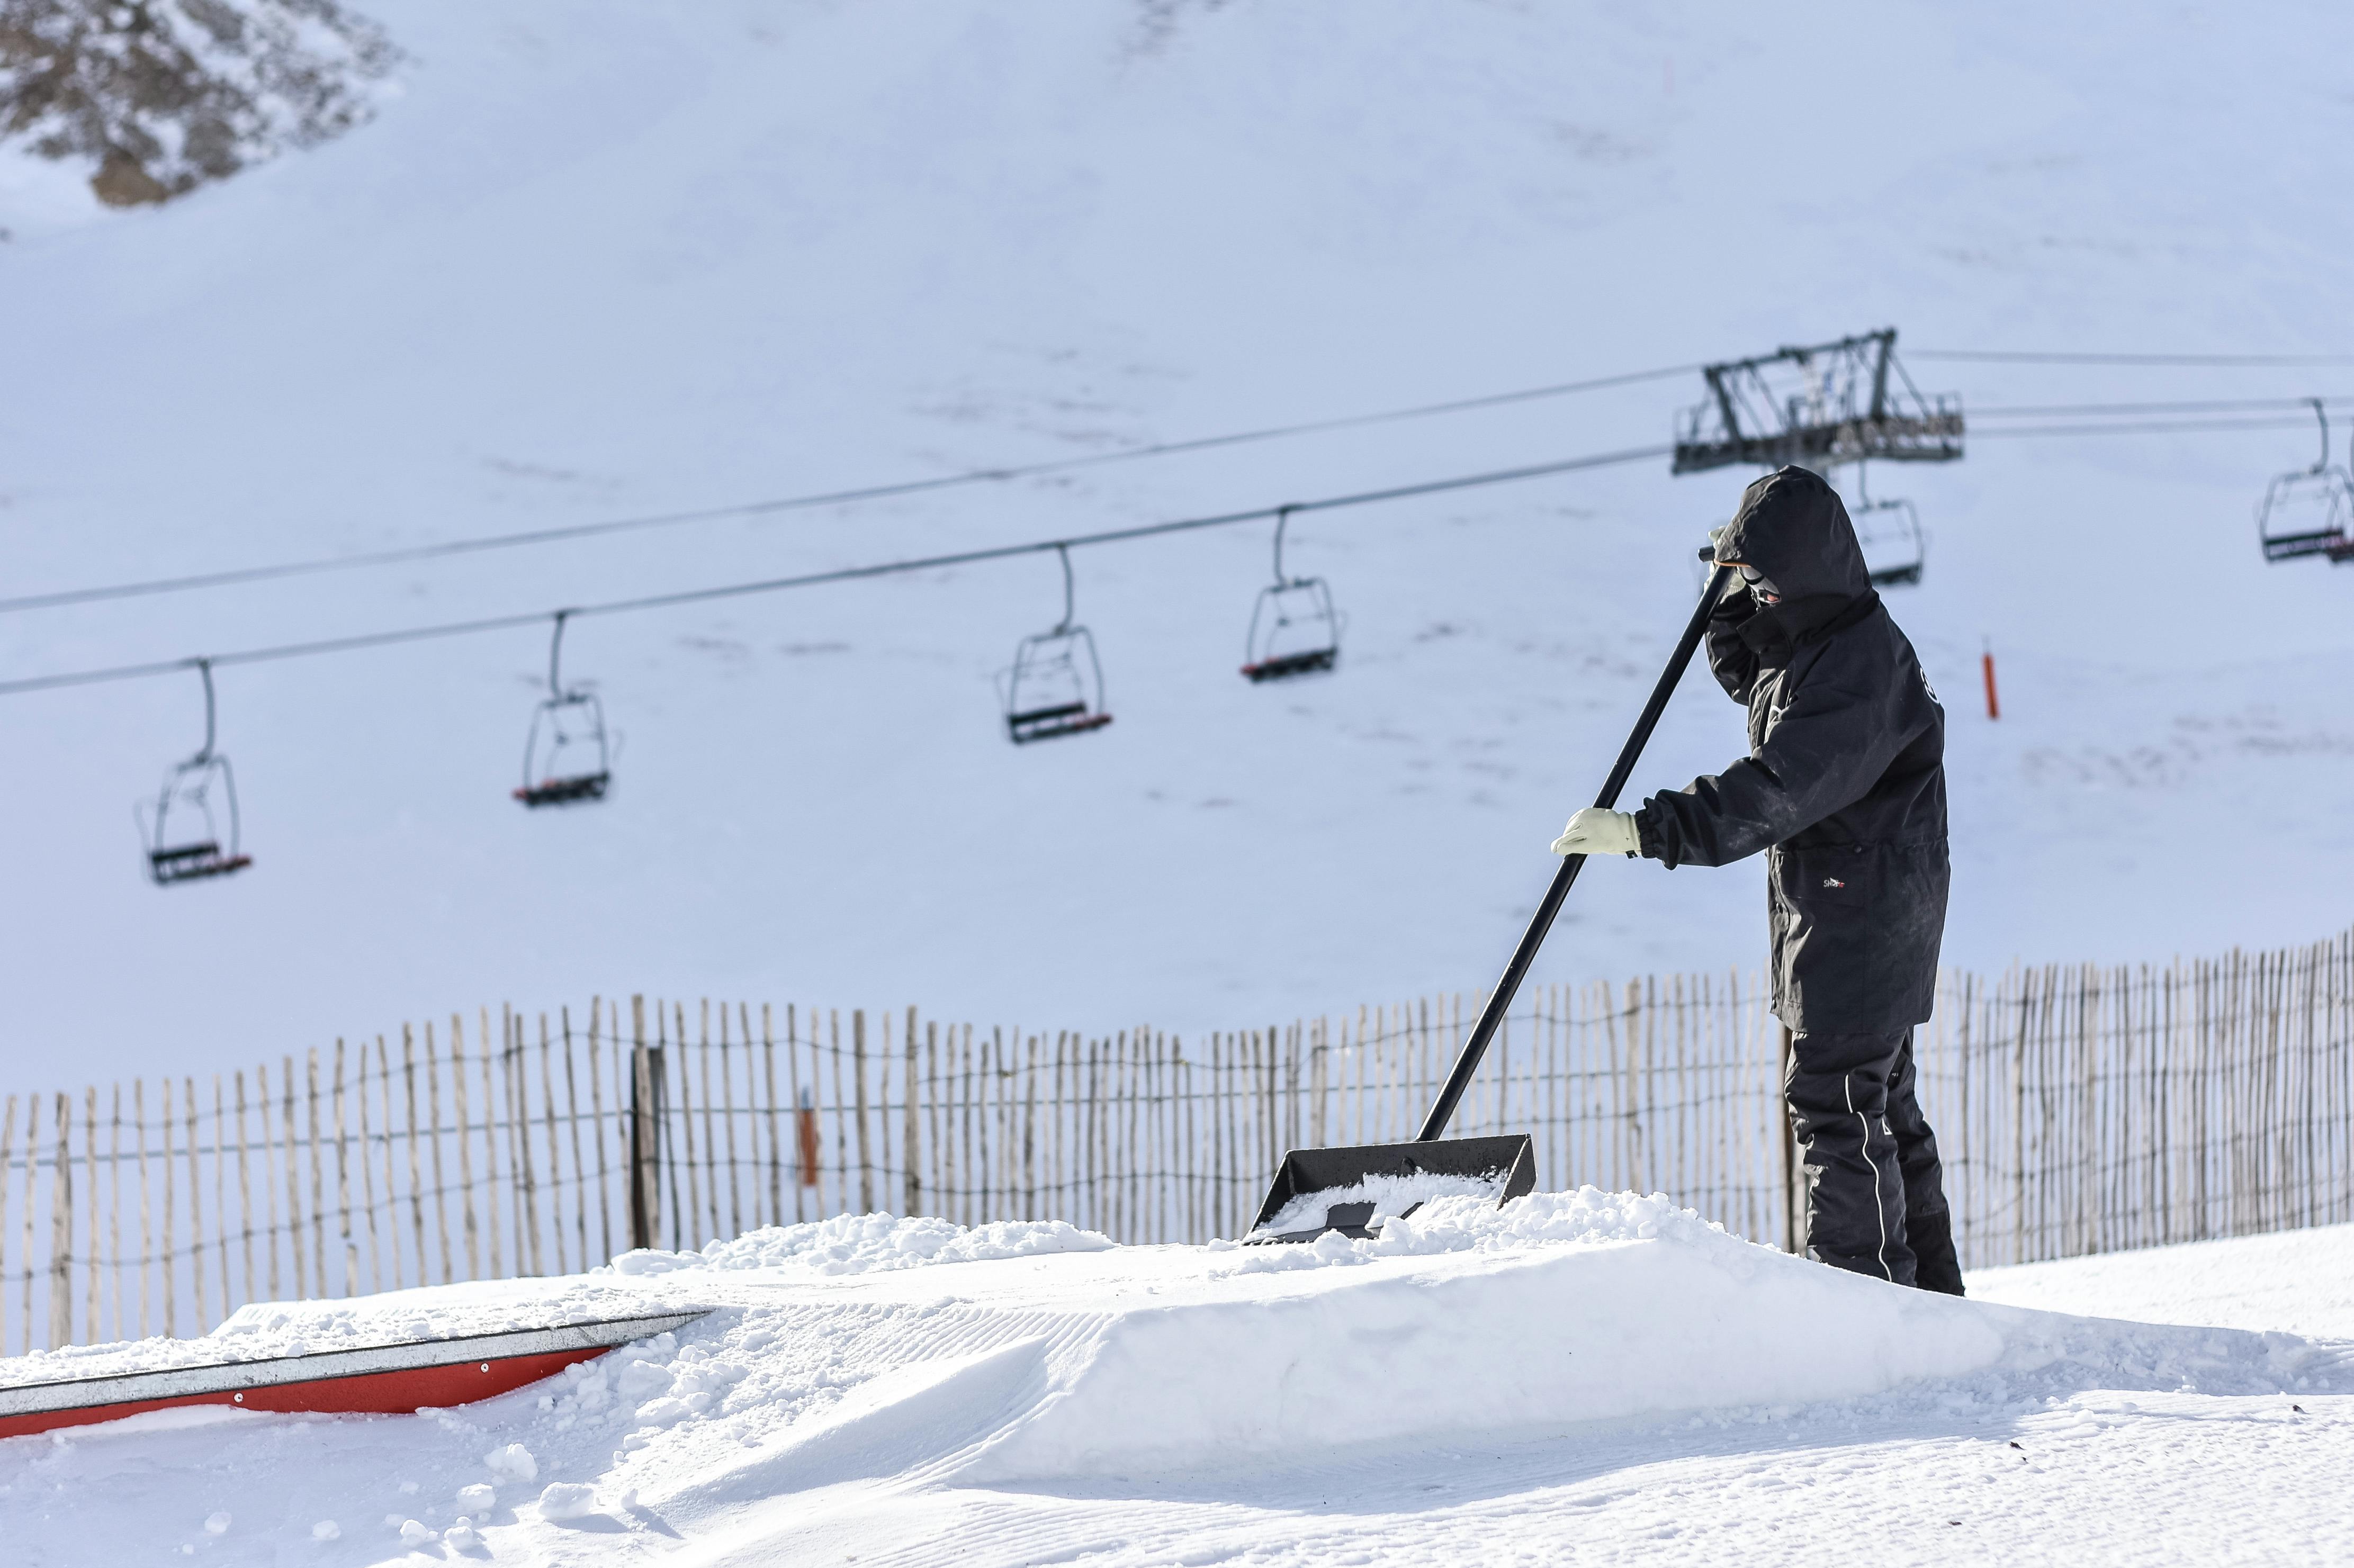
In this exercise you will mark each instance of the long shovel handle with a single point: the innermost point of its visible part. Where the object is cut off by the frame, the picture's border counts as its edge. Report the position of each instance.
(1491, 1017)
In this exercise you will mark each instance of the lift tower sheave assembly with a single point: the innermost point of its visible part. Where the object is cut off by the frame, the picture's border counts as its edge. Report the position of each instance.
(1820, 406)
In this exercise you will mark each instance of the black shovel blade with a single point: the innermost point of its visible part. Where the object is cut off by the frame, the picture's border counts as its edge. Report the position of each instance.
(1511, 1158)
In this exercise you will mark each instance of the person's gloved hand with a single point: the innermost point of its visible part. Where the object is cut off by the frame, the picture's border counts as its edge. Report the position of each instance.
(1716, 537)
(1599, 831)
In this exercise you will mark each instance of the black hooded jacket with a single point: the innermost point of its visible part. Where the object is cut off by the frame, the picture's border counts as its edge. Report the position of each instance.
(1844, 784)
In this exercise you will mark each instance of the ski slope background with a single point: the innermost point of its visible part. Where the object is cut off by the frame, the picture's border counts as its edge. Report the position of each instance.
(602, 258)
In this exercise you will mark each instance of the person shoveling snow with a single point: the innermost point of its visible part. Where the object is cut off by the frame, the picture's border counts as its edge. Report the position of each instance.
(1844, 788)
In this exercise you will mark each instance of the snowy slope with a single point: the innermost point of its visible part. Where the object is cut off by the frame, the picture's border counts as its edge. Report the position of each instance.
(608, 259)
(1581, 1374)
(2298, 1281)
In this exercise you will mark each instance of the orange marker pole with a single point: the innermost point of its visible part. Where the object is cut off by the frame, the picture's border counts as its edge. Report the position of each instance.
(1985, 663)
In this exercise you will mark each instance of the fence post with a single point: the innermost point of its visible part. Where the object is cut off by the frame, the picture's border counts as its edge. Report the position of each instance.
(60, 1232)
(646, 1082)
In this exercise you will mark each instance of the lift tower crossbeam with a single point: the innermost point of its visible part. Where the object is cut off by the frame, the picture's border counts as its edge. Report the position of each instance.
(1817, 407)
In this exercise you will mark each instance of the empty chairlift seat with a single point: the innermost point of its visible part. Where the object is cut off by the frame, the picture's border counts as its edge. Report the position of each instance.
(191, 830)
(2311, 511)
(566, 755)
(1890, 533)
(1294, 629)
(1055, 684)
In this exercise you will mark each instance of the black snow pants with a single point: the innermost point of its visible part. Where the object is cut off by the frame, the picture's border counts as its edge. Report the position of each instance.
(1875, 1192)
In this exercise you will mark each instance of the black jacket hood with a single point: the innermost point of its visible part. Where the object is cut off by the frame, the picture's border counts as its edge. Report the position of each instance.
(1793, 527)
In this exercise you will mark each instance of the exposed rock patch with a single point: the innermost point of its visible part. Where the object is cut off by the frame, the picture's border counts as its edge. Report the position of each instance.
(160, 96)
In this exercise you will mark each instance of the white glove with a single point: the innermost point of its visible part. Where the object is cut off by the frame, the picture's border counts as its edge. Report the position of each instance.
(1599, 831)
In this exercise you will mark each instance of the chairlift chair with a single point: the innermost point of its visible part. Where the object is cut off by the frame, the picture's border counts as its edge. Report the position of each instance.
(1056, 686)
(182, 830)
(1890, 534)
(2311, 511)
(1293, 627)
(567, 757)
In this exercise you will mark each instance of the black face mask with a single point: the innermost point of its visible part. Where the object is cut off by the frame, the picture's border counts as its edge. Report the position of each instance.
(1760, 586)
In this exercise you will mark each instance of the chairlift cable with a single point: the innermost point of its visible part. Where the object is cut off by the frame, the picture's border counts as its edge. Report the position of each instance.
(810, 579)
(964, 558)
(507, 622)
(475, 546)
(2150, 428)
(450, 547)
(2031, 356)
(2088, 410)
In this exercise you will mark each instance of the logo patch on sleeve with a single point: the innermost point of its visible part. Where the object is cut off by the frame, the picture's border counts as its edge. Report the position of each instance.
(1833, 882)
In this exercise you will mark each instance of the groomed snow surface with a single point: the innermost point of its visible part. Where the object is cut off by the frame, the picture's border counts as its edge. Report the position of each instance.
(1576, 1376)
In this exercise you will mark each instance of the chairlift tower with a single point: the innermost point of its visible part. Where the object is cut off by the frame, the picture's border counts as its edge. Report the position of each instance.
(1818, 407)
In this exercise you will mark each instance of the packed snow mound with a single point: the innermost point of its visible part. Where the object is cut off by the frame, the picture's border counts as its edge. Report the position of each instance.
(863, 1244)
(844, 1244)
(1390, 1196)
(1476, 1222)
(831, 1353)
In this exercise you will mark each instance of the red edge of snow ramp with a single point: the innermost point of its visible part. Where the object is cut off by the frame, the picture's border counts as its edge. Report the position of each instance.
(420, 1374)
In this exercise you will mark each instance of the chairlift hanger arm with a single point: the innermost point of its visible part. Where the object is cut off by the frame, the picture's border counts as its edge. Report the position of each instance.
(555, 657)
(1282, 520)
(1070, 602)
(204, 669)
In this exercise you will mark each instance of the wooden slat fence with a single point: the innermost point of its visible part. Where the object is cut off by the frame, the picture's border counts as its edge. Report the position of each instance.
(2079, 1109)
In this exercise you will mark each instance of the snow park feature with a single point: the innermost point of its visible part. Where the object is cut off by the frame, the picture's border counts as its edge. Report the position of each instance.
(1575, 1376)
(407, 1375)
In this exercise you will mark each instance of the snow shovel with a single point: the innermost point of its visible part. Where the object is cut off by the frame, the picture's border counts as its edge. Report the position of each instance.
(1358, 1178)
